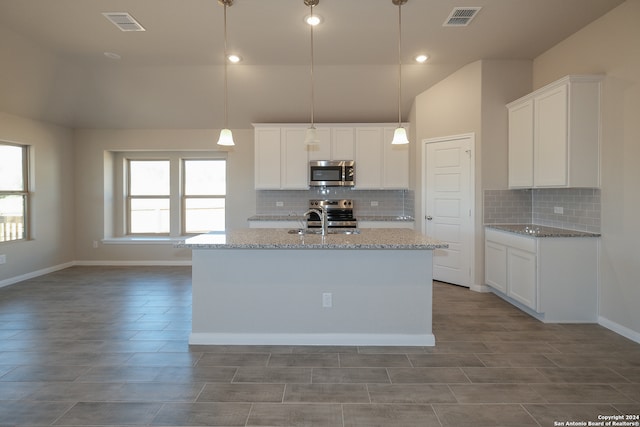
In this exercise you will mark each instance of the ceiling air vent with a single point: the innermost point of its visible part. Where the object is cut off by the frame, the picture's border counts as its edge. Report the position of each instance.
(124, 21)
(461, 16)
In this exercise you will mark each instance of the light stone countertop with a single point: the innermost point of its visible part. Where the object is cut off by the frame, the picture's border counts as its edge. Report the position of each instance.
(533, 230)
(273, 238)
(358, 217)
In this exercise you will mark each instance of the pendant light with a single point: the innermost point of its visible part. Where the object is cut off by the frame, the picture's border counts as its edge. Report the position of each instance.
(226, 137)
(400, 134)
(311, 136)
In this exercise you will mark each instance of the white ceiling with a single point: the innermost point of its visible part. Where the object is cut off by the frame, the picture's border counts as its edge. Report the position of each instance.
(171, 76)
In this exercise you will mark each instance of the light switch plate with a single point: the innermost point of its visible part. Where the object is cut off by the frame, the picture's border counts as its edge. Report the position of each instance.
(3, 259)
(558, 210)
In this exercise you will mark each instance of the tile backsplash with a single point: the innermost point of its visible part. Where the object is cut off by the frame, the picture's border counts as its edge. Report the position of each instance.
(570, 208)
(370, 203)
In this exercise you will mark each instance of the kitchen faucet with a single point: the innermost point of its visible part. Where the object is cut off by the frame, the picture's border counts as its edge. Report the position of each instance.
(322, 213)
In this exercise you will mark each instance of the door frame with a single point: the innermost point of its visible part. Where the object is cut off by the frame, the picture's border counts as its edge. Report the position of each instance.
(472, 195)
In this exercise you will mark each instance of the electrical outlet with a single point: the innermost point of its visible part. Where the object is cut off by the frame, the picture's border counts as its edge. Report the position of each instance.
(327, 300)
(374, 203)
(3, 259)
(279, 204)
(558, 210)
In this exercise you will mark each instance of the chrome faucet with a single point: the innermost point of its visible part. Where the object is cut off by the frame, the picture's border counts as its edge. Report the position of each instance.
(322, 213)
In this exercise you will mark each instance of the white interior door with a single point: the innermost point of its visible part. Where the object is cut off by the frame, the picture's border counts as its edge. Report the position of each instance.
(448, 206)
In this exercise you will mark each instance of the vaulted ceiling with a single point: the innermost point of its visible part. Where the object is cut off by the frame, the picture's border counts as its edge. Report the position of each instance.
(53, 65)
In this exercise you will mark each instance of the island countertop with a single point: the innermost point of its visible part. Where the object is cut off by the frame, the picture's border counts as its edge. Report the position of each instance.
(269, 238)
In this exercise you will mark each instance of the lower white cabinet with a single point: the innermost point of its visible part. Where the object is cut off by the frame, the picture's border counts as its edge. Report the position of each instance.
(552, 278)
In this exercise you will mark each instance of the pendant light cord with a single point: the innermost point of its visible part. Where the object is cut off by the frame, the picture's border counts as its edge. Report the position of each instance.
(225, 68)
(399, 65)
(312, 82)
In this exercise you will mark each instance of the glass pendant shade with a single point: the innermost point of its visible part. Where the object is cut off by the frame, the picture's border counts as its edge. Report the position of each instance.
(226, 138)
(400, 136)
(311, 137)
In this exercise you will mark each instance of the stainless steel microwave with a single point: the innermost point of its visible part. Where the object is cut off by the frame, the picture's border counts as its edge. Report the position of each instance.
(332, 173)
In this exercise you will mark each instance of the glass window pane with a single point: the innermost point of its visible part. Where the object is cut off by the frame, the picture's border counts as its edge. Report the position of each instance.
(149, 177)
(204, 215)
(11, 174)
(150, 216)
(12, 217)
(205, 177)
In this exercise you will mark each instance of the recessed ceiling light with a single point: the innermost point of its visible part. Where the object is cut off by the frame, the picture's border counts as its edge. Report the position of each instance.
(421, 59)
(234, 59)
(112, 55)
(313, 19)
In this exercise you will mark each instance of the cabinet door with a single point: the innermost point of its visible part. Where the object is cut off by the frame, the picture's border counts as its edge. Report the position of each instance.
(495, 265)
(521, 277)
(294, 159)
(267, 158)
(396, 162)
(321, 150)
(551, 138)
(343, 144)
(521, 145)
(368, 158)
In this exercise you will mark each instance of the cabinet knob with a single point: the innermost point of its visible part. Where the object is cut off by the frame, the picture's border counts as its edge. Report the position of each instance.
(429, 217)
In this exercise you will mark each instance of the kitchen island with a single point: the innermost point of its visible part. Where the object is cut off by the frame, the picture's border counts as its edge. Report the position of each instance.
(267, 286)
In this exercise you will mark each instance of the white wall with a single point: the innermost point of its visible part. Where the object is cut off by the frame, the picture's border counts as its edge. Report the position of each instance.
(52, 215)
(92, 213)
(471, 100)
(611, 45)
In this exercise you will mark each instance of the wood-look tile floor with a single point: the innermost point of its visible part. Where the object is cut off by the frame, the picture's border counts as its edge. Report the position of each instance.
(107, 346)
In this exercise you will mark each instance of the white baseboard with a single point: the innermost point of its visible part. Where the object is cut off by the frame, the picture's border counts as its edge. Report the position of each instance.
(619, 329)
(204, 338)
(42, 272)
(133, 263)
(32, 274)
(480, 288)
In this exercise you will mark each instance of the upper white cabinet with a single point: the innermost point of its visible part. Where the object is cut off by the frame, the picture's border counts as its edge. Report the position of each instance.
(379, 164)
(282, 158)
(336, 143)
(554, 135)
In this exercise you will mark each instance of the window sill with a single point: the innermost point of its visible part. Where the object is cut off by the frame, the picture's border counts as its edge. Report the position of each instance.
(147, 240)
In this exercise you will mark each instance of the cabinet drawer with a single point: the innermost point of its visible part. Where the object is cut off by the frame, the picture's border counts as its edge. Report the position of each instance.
(513, 240)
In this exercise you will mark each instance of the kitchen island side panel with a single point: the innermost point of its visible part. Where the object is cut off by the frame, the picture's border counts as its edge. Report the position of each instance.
(258, 296)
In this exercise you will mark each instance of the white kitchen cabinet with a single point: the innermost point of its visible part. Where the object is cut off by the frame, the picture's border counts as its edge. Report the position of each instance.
(379, 164)
(554, 135)
(267, 158)
(280, 158)
(294, 164)
(335, 143)
(521, 145)
(552, 278)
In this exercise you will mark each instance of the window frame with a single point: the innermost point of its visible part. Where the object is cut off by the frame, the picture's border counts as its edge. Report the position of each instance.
(120, 228)
(130, 197)
(25, 192)
(183, 192)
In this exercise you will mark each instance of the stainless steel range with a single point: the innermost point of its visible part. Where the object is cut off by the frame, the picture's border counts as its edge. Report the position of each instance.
(339, 214)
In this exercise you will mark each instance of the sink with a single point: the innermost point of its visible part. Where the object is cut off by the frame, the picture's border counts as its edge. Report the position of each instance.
(302, 231)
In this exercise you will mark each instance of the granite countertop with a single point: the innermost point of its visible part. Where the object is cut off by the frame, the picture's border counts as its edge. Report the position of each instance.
(358, 217)
(534, 230)
(273, 238)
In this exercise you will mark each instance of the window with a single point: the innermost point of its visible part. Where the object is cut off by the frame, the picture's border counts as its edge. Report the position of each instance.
(171, 193)
(148, 201)
(14, 195)
(204, 195)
